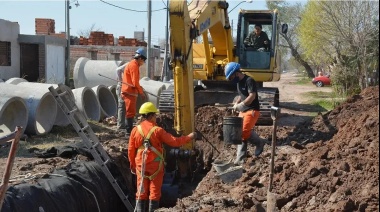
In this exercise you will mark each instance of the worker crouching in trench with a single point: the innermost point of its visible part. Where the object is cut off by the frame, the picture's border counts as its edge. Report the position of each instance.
(146, 156)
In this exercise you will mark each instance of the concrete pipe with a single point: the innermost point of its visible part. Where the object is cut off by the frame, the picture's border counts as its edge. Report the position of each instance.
(147, 81)
(15, 80)
(112, 88)
(86, 72)
(87, 103)
(153, 88)
(60, 119)
(41, 105)
(107, 101)
(13, 113)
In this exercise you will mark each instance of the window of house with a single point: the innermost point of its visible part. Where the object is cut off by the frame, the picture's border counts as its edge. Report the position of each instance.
(5, 53)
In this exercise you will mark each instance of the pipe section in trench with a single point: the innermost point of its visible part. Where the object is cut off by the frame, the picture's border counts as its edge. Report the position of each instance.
(87, 102)
(13, 112)
(41, 105)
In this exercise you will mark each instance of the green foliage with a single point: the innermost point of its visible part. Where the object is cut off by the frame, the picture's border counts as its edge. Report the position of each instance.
(345, 35)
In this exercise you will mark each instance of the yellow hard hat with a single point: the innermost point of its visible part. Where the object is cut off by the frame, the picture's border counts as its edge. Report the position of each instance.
(148, 107)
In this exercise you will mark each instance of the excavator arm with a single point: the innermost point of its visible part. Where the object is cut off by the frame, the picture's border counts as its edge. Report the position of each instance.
(181, 28)
(187, 22)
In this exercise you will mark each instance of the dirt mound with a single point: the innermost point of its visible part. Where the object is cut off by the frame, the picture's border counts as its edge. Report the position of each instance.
(332, 163)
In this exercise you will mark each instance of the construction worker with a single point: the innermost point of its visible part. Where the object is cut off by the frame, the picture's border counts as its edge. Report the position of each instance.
(257, 39)
(120, 101)
(131, 88)
(146, 156)
(248, 106)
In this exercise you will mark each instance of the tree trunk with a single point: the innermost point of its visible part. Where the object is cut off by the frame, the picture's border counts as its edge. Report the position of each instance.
(298, 57)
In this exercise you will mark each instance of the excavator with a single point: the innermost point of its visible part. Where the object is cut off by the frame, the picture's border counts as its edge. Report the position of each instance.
(201, 45)
(198, 66)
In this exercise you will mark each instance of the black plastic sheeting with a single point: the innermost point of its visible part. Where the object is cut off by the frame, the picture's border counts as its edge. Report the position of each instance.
(80, 187)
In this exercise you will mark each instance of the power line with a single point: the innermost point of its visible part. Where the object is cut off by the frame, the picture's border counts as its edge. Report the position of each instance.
(139, 11)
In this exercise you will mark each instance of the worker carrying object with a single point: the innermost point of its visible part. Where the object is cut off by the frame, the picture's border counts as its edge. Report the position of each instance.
(131, 88)
(248, 106)
(146, 156)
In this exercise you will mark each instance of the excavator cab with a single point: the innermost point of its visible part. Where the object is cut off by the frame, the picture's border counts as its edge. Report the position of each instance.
(259, 63)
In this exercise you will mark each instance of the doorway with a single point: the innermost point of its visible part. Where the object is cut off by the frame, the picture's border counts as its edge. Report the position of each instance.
(29, 62)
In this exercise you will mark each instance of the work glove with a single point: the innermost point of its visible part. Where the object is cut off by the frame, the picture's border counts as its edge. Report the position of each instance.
(193, 135)
(262, 49)
(241, 107)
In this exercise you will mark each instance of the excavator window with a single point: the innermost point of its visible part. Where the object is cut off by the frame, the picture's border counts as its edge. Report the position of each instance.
(253, 57)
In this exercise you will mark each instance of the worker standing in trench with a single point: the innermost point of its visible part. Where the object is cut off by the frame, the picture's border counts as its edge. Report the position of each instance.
(131, 88)
(248, 106)
(146, 156)
(120, 101)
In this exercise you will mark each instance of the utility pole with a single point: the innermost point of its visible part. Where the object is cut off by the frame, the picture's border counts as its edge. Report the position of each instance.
(67, 70)
(166, 74)
(148, 68)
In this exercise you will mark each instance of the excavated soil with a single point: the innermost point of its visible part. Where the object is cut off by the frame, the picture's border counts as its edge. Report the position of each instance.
(326, 163)
(329, 163)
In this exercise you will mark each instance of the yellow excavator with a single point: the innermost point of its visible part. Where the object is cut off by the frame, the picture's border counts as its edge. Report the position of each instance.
(201, 44)
(198, 66)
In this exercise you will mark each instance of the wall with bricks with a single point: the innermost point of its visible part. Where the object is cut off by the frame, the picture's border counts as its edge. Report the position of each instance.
(101, 46)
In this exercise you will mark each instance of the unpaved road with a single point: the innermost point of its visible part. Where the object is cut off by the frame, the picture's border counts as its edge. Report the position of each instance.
(294, 103)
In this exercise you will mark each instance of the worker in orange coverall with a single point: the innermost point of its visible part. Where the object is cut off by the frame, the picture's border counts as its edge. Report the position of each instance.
(146, 156)
(131, 88)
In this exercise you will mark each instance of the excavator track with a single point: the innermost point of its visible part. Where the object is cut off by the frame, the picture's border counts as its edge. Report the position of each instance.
(268, 97)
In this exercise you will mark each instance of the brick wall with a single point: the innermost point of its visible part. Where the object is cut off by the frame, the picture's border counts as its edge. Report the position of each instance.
(99, 46)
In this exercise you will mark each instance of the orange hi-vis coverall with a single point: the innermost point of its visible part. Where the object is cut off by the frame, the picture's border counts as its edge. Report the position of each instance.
(154, 163)
(131, 87)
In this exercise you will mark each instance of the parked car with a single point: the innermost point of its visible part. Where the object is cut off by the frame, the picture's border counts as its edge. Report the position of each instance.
(321, 81)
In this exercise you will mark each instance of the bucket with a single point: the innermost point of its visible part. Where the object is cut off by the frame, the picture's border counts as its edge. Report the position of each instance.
(221, 166)
(231, 174)
(232, 130)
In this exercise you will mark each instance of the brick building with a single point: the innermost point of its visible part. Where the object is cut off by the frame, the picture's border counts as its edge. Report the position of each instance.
(41, 57)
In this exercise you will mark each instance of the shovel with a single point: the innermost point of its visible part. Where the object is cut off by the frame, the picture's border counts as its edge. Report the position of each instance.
(271, 197)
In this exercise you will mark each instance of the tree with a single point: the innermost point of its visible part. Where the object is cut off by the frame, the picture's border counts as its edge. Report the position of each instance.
(86, 32)
(345, 35)
(290, 14)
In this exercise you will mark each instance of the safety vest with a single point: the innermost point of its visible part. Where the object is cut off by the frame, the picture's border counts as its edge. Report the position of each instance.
(158, 153)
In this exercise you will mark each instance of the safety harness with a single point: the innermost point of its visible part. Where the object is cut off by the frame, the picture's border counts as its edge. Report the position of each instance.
(144, 147)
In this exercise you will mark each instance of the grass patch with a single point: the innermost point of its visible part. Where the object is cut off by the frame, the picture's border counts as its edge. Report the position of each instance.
(303, 81)
(326, 100)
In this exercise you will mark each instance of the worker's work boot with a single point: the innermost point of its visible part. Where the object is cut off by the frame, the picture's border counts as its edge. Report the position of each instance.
(141, 205)
(153, 205)
(241, 153)
(258, 142)
(129, 126)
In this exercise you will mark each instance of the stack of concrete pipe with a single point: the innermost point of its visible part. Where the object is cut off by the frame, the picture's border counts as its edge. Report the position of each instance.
(41, 108)
(91, 73)
(60, 119)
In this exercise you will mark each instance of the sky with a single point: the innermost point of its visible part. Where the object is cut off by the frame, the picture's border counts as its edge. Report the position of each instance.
(103, 16)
